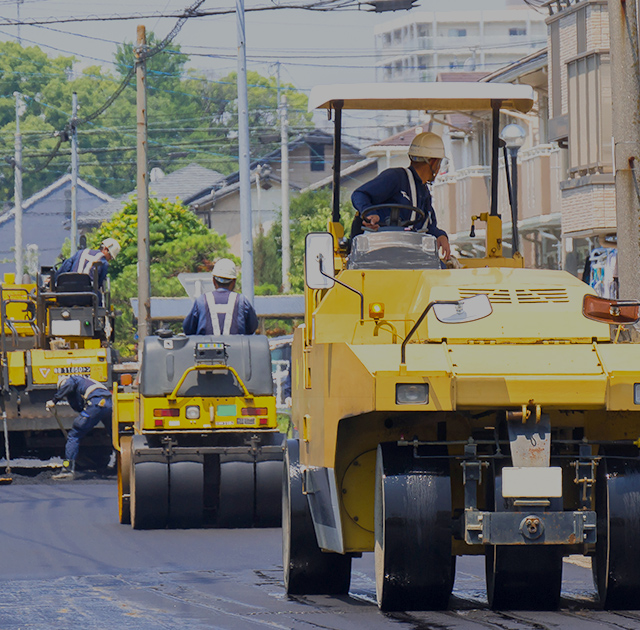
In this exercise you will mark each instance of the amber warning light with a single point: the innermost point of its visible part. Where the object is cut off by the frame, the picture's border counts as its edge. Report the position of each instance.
(376, 310)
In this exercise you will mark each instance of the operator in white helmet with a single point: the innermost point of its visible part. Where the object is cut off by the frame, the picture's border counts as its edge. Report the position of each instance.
(84, 260)
(405, 187)
(221, 311)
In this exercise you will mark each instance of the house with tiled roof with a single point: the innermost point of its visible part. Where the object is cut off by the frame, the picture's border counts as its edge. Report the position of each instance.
(182, 184)
(46, 223)
(310, 161)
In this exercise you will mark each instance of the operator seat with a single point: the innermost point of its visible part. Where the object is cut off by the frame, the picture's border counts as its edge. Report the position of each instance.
(393, 249)
(78, 283)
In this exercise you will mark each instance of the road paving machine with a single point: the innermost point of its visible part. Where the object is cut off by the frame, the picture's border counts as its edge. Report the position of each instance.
(197, 437)
(442, 412)
(50, 328)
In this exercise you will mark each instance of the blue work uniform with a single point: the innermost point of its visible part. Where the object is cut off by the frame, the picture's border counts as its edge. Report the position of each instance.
(393, 186)
(92, 400)
(221, 312)
(83, 261)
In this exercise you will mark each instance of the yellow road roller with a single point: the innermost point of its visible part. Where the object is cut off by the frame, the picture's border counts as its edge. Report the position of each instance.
(481, 410)
(50, 328)
(197, 436)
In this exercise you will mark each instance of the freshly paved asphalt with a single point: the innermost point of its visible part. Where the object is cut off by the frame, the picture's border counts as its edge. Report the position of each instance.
(66, 562)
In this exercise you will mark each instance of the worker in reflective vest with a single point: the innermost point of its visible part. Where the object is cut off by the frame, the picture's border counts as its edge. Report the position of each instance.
(221, 311)
(84, 260)
(92, 400)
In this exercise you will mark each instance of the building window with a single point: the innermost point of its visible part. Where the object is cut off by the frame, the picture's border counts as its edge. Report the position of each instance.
(517, 32)
(457, 32)
(316, 156)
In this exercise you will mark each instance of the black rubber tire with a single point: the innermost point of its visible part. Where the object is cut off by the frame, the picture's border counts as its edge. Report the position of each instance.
(307, 569)
(269, 493)
(237, 494)
(149, 502)
(520, 577)
(415, 568)
(186, 494)
(616, 564)
(123, 464)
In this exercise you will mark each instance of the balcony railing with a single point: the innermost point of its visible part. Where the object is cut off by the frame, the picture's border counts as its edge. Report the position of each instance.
(418, 44)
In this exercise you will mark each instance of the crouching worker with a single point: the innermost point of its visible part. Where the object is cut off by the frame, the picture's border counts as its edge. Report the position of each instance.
(92, 400)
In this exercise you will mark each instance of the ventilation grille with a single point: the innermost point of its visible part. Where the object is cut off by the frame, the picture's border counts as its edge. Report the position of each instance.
(519, 296)
(541, 296)
(496, 296)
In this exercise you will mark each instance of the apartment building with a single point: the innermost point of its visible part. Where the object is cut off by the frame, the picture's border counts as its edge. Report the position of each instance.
(420, 45)
(580, 115)
(567, 191)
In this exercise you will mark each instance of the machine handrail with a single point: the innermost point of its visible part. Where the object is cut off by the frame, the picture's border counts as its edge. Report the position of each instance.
(10, 322)
(415, 326)
(202, 368)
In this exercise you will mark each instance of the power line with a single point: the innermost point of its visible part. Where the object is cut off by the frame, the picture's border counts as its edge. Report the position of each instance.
(318, 5)
(146, 54)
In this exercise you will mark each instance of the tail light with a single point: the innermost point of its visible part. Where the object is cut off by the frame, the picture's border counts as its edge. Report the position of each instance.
(164, 413)
(254, 411)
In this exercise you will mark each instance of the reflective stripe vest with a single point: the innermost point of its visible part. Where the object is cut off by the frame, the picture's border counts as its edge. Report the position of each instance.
(92, 388)
(226, 310)
(87, 259)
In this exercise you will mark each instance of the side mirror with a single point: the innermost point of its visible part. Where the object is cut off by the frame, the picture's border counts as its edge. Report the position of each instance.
(465, 310)
(610, 311)
(318, 260)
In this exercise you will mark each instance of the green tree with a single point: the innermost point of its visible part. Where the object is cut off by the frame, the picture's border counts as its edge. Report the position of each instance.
(179, 243)
(220, 109)
(192, 118)
(308, 212)
(267, 266)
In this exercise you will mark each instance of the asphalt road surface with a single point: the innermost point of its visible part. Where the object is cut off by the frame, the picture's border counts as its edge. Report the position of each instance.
(66, 563)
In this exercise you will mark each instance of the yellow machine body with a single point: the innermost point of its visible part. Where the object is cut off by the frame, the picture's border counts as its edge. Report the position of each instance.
(475, 409)
(33, 357)
(536, 349)
(197, 436)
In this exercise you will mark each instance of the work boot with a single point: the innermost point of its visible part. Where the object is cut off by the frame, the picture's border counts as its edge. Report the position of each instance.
(68, 471)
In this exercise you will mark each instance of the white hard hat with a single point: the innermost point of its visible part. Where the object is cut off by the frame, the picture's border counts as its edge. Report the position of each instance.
(224, 270)
(62, 379)
(427, 145)
(112, 246)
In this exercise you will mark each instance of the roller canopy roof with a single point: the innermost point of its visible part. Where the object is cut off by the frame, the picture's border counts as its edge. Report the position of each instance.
(440, 96)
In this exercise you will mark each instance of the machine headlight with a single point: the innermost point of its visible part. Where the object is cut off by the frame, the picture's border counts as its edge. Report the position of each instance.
(192, 412)
(412, 393)
(636, 394)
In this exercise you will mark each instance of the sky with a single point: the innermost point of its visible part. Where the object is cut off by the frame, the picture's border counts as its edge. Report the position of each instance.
(313, 48)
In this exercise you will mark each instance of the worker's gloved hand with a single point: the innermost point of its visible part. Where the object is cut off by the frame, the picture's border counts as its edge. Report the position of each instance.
(49, 405)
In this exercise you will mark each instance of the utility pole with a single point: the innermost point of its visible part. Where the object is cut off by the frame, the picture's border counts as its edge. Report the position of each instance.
(74, 173)
(284, 177)
(625, 88)
(17, 172)
(246, 228)
(144, 277)
(18, 3)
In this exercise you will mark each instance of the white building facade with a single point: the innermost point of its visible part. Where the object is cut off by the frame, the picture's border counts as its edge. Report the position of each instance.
(420, 45)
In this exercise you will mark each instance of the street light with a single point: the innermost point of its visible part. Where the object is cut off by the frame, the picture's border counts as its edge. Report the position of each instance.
(513, 136)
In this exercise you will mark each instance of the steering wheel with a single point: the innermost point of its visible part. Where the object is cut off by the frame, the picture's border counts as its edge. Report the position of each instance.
(394, 217)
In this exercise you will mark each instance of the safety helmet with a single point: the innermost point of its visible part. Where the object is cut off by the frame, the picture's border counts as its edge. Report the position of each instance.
(112, 246)
(224, 271)
(427, 145)
(62, 379)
